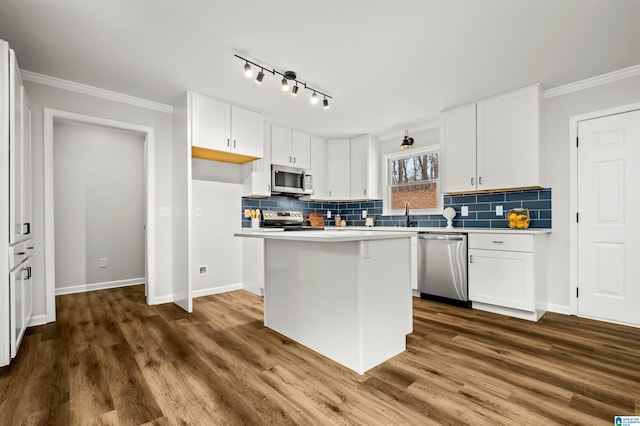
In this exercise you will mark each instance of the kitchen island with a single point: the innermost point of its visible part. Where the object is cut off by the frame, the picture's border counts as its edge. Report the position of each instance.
(344, 294)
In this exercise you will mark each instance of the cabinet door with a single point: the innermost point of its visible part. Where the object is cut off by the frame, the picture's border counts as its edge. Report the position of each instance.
(257, 174)
(459, 149)
(508, 140)
(301, 149)
(26, 165)
(210, 124)
(247, 132)
(502, 278)
(20, 307)
(358, 167)
(338, 165)
(281, 146)
(319, 168)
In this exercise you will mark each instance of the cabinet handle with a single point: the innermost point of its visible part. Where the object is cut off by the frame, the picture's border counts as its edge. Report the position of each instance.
(269, 187)
(28, 272)
(365, 191)
(497, 242)
(228, 143)
(234, 143)
(20, 253)
(28, 225)
(470, 258)
(290, 159)
(480, 180)
(294, 160)
(471, 181)
(329, 192)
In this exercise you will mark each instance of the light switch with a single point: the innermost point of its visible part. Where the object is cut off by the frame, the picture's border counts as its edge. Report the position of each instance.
(499, 211)
(464, 211)
(165, 211)
(198, 212)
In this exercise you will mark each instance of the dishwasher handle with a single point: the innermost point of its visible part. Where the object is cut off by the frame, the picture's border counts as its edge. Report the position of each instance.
(442, 237)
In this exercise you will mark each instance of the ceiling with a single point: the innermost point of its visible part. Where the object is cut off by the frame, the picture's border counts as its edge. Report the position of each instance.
(389, 64)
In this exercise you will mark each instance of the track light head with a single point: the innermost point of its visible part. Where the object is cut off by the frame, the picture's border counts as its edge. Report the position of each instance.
(407, 142)
(285, 85)
(247, 70)
(294, 91)
(259, 77)
(325, 103)
(314, 98)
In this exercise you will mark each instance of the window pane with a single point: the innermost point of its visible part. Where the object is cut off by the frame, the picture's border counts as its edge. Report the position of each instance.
(421, 168)
(418, 195)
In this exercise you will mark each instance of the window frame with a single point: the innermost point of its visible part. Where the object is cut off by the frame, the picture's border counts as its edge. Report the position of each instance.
(386, 200)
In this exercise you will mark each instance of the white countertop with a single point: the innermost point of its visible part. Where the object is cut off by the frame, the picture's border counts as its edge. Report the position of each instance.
(329, 235)
(531, 231)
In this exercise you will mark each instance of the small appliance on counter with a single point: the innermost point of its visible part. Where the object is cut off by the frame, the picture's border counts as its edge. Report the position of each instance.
(287, 220)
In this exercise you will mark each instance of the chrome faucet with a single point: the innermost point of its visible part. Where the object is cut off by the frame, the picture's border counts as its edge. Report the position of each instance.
(406, 214)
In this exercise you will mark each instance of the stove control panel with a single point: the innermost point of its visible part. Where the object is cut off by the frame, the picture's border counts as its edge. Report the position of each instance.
(283, 215)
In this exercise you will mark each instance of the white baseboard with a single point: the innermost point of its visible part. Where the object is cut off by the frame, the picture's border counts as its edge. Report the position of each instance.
(37, 320)
(216, 290)
(98, 286)
(161, 300)
(559, 309)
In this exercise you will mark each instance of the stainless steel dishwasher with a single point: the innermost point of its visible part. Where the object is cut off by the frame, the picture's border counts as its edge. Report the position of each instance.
(442, 267)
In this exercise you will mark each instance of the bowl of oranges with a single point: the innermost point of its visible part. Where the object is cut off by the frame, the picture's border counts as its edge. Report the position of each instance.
(518, 218)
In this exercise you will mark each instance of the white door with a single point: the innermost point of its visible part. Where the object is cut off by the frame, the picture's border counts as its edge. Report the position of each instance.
(608, 226)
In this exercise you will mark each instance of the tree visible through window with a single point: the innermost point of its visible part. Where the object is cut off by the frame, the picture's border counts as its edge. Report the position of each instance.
(414, 180)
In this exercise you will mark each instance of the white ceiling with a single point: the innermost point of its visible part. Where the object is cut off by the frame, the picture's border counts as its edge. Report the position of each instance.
(389, 64)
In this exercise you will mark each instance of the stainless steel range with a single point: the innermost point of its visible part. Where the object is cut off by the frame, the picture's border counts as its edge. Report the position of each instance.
(288, 220)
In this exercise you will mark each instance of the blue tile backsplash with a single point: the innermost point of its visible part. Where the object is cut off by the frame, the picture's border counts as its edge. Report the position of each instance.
(482, 209)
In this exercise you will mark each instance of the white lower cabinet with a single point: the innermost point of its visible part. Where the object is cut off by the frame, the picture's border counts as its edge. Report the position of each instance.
(507, 275)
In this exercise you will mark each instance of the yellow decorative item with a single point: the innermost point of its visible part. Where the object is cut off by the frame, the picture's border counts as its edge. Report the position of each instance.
(518, 218)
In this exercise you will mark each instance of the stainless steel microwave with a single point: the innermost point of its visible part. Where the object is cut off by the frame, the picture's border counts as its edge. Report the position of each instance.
(291, 180)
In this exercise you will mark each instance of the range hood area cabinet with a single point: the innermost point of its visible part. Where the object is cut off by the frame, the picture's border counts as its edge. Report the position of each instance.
(290, 148)
(492, 144)
(224, 132)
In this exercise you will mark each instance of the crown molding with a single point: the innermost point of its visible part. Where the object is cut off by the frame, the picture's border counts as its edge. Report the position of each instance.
(59, 83)
(593, 82)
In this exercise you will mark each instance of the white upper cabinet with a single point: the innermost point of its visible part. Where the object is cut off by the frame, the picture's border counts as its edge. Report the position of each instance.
(492, 144)
(319, 169)
(459, 150)
(338, 166)
(508, 140)
(364, 167)
(290, 148)
(234, 134)
(257, 174)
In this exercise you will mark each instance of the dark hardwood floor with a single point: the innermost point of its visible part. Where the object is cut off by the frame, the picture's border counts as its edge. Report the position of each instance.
(110, 359)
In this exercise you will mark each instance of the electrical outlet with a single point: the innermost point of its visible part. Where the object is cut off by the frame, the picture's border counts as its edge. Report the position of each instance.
(364, 214)
(165, 211)
(464, 211)
(104, 262)
(499, 211)
(202, 271)
(328, 214)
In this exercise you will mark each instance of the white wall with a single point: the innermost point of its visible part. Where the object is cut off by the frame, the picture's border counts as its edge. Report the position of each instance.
(215, 218)
(99, 204)
(44, 96)
(421, 139)
(555, 170)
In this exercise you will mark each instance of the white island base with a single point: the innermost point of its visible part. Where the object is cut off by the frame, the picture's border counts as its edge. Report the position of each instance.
(350, 301)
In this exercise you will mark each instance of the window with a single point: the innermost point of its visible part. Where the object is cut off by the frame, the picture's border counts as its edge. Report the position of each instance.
(413, 178)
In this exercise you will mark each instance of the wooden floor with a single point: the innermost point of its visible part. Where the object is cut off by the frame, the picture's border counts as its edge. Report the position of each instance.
(111, 359)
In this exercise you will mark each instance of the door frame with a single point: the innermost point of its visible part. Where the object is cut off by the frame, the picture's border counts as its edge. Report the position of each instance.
(573, 192)
(50, 115)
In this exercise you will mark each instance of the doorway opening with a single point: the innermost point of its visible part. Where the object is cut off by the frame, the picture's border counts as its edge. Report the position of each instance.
(105, 261)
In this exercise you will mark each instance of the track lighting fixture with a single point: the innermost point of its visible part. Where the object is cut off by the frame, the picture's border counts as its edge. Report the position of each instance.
(259, 77)
(247, 70)
(287, 78)
(407, 142)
